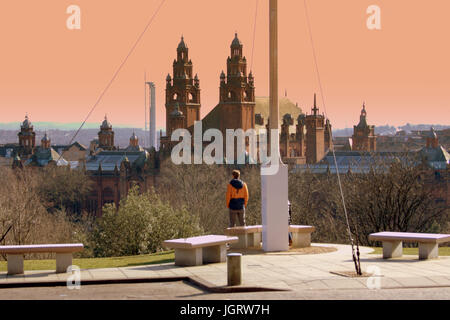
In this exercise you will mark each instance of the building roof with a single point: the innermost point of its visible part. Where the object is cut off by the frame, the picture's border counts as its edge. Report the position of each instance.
(45, 138)
(363, 162)
(437, 158)
(213, 120)
(110, 159)
(362, 118)
(236, 42)
(64, 147)
(42, 157)
(182, 45)
(26, 124)
(106, 124)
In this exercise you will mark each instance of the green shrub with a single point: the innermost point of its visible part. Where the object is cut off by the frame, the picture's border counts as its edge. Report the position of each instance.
(140, 225)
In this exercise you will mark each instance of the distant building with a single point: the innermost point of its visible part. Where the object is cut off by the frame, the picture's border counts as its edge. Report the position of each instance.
(45, 155)
(311, 140)
(75, 154)
(434, 159)
(114, 171)
(182, 96)
(305, 142)
(364, 138)
(237, 92)
(27, 153)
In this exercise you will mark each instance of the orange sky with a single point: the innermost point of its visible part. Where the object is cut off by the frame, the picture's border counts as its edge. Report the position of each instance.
(56, 74)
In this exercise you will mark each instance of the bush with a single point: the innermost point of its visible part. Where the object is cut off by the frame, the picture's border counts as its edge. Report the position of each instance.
(139, 226)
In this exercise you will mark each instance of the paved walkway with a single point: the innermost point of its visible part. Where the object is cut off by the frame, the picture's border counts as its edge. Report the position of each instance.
(284, 271)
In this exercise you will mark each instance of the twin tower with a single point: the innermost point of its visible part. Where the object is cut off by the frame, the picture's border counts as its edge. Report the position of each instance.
(237, 93)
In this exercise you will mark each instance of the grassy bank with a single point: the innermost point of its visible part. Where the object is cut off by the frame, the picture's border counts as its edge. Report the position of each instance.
(443, 251)
(91, 263)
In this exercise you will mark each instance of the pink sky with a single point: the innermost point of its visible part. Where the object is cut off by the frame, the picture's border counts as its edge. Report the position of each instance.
(56, 74)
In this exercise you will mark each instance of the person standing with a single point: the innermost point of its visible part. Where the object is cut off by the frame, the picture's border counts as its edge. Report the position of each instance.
(237, 199)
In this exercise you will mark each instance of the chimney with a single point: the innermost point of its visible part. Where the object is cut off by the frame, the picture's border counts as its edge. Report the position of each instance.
(152, 115)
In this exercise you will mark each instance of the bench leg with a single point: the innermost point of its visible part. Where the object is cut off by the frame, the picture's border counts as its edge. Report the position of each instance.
(63, 261)
(392, 249)
(188, 257)
(301, 240)
(428, 251)
(242, 243)
(215, 254)
(15, 263)
(254, 240)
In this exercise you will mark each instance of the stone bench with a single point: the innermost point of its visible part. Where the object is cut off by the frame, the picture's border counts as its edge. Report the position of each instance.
(198, 250)
(249, 236)
(14, 255)
(301, 235)
(393, 243)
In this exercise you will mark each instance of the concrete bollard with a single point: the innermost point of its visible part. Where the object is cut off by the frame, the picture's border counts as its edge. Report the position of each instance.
(234, 269)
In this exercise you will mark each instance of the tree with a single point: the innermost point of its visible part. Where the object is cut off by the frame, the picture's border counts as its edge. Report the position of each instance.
(394, 197)
(22, 210)
(61, 187)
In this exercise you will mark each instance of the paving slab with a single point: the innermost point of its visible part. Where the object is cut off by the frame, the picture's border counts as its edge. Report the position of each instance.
(416, 282)
(347, 283)
(303, 274)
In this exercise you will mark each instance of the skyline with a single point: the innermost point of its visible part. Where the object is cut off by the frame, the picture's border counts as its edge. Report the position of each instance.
(401, 72)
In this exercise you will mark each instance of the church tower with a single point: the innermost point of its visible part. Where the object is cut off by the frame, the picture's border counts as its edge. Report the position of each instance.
(106, 135)
(27, 137)
(432, 139)
(134, 140)
(45, 142)
(182, 92)
(364, 138)
(315, 135)
(300, 135)
(237, 92)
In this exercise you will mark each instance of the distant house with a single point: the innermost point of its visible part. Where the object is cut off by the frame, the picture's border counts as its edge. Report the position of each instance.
(114, 171)
(27, 153)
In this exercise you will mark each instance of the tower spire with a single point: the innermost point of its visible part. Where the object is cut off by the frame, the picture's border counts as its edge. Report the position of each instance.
(315, 109)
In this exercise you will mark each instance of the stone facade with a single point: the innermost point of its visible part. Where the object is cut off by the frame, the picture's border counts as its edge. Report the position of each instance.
(182, 95)
(114, 171)
(237, 92)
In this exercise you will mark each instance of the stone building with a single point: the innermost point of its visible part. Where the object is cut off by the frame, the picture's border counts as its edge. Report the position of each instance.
(27, 138)
(114, 171)
(182, 95)
(27, 152)
(309, 142)
(237, 92)
(106, 136)
(364, 138)
(305, 142)
(45, 155)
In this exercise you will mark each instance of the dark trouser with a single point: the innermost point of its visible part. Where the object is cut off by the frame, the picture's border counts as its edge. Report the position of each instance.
(240, 214)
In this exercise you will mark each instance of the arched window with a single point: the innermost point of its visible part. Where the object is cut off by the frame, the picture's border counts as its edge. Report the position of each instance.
(191, 97)
(231, 95)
